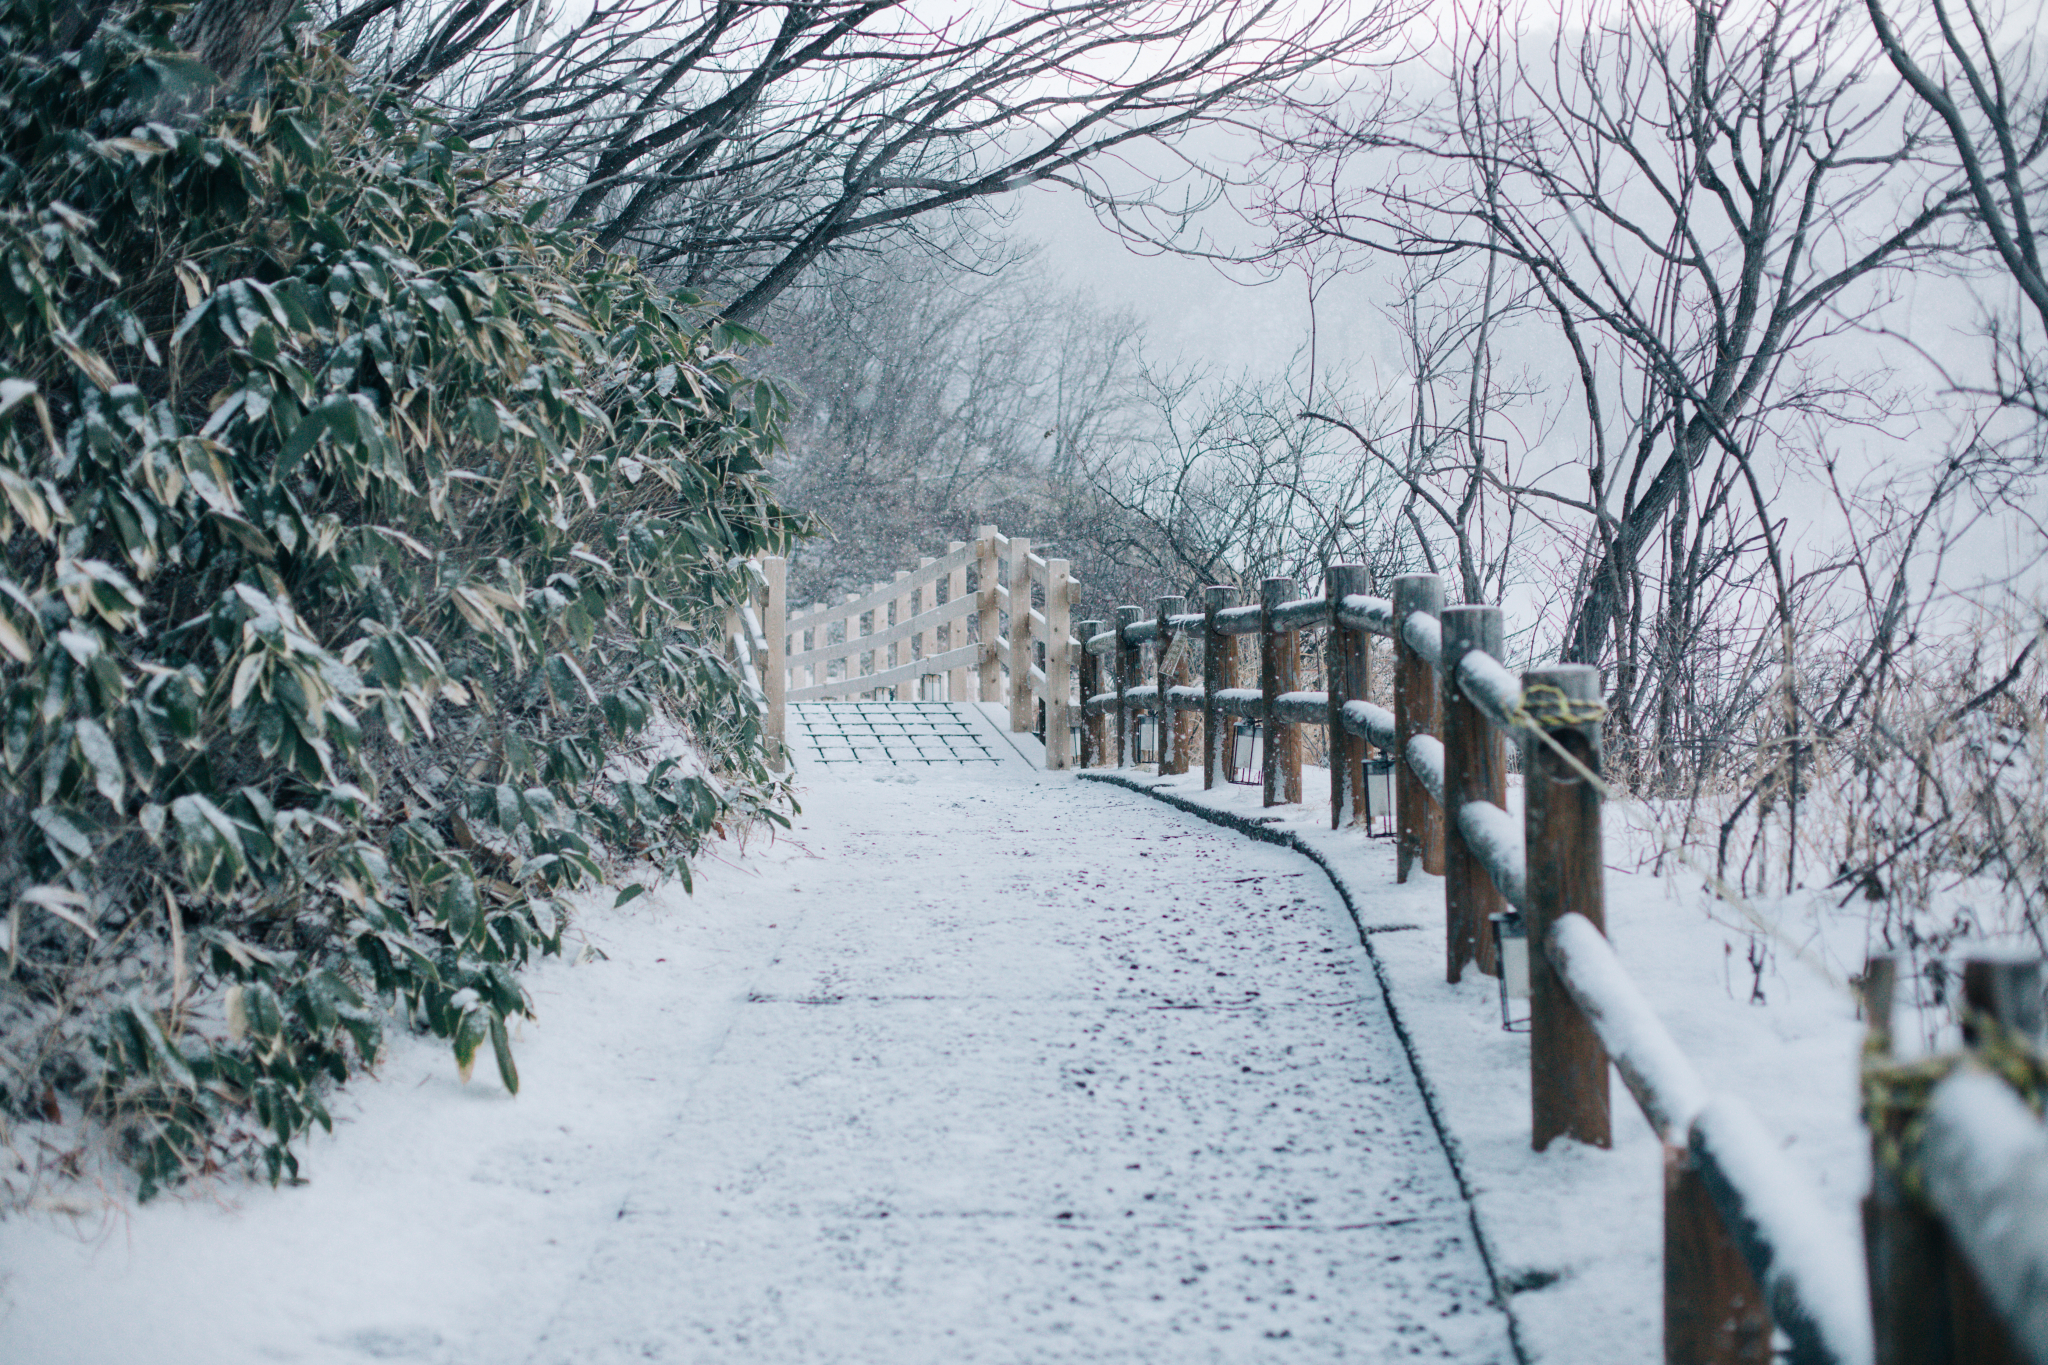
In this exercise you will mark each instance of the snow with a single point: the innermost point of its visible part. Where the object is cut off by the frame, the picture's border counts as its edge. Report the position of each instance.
(1490, 687)
(1238, 620)
(1375, 723)
(1425, 635)
(1426, 760)
(1986, 1162)
(1302, 611)
(1814, 1272)
(1663, 1079)
(1575, 1234)
(832, 1108)
(1360, 612)
(1495, 838)
(1240, 701)
(971, 1066)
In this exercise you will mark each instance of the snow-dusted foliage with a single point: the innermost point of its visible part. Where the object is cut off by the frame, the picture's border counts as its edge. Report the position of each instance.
(354, 525)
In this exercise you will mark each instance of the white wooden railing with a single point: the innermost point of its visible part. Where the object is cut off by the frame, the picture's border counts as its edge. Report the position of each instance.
(987, 621)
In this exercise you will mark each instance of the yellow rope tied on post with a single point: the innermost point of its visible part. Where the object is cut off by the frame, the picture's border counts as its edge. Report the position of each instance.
(1896, 1094)
(1544, 707)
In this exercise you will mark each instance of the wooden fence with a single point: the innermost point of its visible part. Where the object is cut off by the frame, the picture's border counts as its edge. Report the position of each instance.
(932, 634)
(1957, 1256)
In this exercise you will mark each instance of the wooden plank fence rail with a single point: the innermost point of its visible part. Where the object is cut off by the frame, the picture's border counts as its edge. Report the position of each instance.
(1747, 1248)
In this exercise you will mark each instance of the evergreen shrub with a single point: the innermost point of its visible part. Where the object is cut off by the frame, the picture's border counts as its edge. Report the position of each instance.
(367, 549)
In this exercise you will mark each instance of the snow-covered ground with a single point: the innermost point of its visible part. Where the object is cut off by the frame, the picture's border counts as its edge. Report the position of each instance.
(975, 1066)
(1576, 1234)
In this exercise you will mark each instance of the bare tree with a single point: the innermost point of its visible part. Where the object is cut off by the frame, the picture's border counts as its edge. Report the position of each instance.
(1701, 199)
(1993, 106)
(1227, 483)
(928, 399)
(734, 143)
(1458, 492)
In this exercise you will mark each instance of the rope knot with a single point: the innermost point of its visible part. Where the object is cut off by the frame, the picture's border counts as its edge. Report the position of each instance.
(1545, 707)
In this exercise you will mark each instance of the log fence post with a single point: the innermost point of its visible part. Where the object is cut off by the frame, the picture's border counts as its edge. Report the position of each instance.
(775, 668)
(1219, 655)
(924, 643)
(1170, 758)
(1715, 1313)
(1418, 823)
(1904, 1249)
(1568, 1087)
(1345, 677)
(811, 636)
(1126, 667)
(1022, 718)
(2005, 991)
(1091, 685)
(1059, 666)
(988, 608)
(1926, 1305)
(1279, 669)
(1475, 769)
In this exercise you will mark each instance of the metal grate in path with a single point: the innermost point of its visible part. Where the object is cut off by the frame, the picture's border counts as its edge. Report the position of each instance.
(891, 733)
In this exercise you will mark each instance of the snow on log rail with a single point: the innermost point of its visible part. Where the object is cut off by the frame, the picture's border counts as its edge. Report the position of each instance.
(1115, 694)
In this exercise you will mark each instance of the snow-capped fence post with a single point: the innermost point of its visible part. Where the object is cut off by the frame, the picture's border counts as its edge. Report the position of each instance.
(1984, 1163)
(1172, 755)
(1475, 769)
(924, 642)
(775, 668)
(1346, 671)
(2005, 991)
(1019, 588)
(1126, 670)
(1419, 824)
(1279, 670)
(1219, 660)
(854, 659)
(1931, 1258)
(1092, 723)
(988, 610)
(1561, 833)
(1059, 664)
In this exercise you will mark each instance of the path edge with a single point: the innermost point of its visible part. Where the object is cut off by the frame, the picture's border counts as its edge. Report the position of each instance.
(1268, 834)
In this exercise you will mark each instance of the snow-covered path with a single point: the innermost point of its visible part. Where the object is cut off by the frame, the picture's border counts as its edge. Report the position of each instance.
(980, 1066)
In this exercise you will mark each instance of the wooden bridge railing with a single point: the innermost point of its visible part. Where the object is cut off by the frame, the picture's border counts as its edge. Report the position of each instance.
(1747, 1245)
(987, 621)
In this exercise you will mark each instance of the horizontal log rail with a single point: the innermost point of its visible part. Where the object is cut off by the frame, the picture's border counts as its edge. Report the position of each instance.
(1747, 1249)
